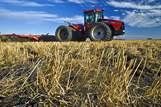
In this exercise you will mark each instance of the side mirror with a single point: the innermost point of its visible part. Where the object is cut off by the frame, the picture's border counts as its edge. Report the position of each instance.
(103, 13)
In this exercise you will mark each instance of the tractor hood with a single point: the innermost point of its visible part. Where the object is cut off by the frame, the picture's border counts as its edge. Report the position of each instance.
(115, 23)
(110, 21)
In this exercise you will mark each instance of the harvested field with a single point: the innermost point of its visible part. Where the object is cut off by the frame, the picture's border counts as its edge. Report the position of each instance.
(115, 73)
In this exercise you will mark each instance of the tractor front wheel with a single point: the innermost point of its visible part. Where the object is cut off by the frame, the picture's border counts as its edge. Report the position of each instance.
(100, 32)
(63, 33)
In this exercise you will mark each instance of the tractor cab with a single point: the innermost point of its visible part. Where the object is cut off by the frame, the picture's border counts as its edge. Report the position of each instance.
(92, 16)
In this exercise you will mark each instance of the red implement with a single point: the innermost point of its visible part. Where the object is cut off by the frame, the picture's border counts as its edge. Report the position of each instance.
(23, 38)
(35, 37)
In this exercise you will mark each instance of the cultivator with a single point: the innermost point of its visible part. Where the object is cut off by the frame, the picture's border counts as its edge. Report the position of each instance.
(24, 38)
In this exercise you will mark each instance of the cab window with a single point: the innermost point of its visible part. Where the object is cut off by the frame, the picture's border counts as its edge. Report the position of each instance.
(98, 16)
(89, 18)
(92, 17)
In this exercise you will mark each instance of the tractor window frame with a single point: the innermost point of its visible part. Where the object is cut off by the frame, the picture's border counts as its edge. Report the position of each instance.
(95, 17)
(87, 17)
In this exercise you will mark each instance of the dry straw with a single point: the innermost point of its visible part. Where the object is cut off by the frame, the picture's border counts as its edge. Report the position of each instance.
(117, 73)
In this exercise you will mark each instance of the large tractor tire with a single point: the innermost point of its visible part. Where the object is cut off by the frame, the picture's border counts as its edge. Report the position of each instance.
(100, 32)
(64, 33)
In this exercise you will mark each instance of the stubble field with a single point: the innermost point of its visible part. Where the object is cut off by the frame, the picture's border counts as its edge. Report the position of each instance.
(115, 73)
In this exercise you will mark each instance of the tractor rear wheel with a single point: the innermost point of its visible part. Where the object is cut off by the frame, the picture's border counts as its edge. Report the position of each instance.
(100, 32)
(63, 33)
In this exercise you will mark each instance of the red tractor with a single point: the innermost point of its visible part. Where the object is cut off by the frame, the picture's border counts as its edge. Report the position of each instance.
(95, 27)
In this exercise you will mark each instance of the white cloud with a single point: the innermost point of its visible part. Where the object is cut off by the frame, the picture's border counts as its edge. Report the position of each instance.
(83, 1)
(11, 1)
(76, 1)
(25, 3)
(57, 1)
(106, 17)
(39, 16)
(115, 17)
(75, 19)
(151, 1)
(116, 10)
(29, 15)
(143, 18)
(145, 1)
(139, 13)
(132, 5)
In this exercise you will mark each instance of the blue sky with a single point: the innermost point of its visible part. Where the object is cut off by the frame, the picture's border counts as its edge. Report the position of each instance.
(142, 17)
